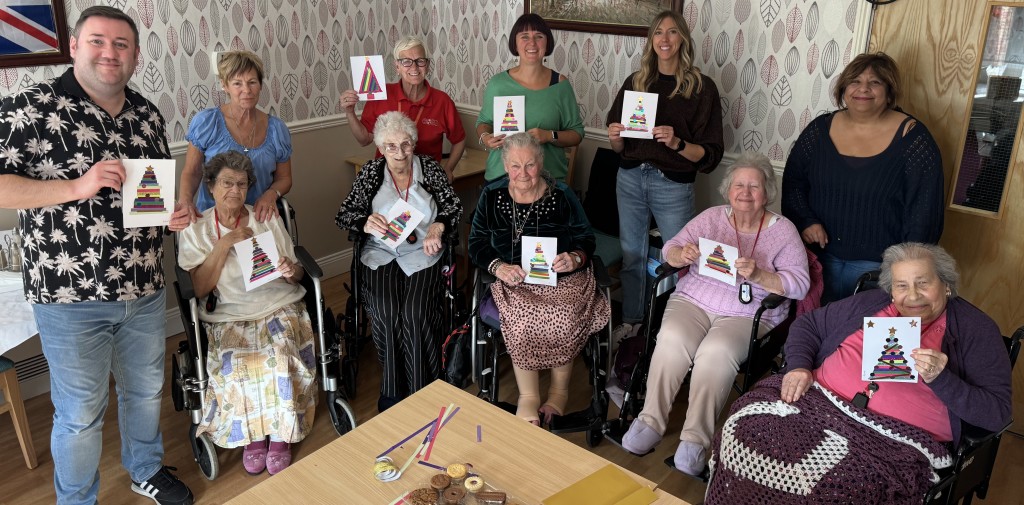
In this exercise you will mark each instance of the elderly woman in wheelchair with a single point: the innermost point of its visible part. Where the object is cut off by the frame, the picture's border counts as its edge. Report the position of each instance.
(544, 326)
(262, 381)
(707, 323)
(825, 431)
(401, 275)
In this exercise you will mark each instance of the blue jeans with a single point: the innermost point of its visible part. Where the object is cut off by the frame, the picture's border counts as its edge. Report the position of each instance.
(644, 191)
(840, 276)
(84, 343)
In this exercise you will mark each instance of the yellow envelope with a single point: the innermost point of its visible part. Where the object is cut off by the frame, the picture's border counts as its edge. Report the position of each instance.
(607, 486)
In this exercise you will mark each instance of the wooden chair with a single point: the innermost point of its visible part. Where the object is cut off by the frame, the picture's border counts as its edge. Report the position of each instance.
(570, 155)
(13, 404)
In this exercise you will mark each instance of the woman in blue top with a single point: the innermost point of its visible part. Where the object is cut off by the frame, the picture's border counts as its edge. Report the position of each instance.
(863, 178)
(239, 126)
(552, 115)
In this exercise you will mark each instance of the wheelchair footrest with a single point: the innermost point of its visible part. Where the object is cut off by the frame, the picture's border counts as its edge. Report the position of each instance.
(575, 421)
(704, 476)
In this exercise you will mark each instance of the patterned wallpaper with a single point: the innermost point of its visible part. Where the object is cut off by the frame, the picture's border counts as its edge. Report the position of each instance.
(774, 60)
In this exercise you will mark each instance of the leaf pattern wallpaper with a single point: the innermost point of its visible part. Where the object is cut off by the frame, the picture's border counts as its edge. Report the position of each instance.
(761, 53)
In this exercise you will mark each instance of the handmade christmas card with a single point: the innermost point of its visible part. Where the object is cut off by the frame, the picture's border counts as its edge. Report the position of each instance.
(717, 260)
(537, 256)
(402, 221)
(887, 345)
(509, 114)
(368, 77)
(638, 113)
(258, 258)
(147, 195)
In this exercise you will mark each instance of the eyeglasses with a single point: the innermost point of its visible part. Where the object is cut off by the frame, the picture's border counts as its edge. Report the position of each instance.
(228, 184)
(394, 148)
(407, 62)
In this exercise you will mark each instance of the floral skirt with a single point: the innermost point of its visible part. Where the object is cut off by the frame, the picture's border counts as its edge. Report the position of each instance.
(546, 326)
(262, 378)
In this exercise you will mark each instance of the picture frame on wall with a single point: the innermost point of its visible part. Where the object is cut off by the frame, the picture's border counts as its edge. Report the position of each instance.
(618, 17)
(33, 32)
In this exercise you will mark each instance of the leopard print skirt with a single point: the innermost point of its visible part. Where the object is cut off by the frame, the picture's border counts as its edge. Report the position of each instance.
(547, 326)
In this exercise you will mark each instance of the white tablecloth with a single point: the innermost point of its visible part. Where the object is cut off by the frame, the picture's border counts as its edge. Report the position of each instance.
(17, 324)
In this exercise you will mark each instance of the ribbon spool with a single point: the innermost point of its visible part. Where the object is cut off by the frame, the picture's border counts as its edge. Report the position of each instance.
(384, 469)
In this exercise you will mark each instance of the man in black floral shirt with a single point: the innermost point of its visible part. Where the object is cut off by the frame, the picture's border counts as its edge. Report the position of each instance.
(96, 287)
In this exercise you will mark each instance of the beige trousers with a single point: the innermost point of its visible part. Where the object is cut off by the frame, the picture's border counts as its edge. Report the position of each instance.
(714, 346)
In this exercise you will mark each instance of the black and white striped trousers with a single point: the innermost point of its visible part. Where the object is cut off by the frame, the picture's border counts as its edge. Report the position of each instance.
(406, 314)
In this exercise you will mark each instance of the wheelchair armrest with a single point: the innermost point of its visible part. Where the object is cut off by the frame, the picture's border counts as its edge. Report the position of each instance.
(601, 273)
(184, 283)
(487, 278)
(972, 436)
(308, 263)
(773, 301)
(664, 271)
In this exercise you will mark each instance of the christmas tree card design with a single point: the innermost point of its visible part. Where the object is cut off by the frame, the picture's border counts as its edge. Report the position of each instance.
(887, 345)
(717, 261)
(536, 258)
(258, 258)
(638, 114)
(512, 113)
(147, 195)
(368, 77)
(402, 221)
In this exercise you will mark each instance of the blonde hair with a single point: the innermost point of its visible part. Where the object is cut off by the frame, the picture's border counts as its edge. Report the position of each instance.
(233, 63)
(409, 42)
(687, 76)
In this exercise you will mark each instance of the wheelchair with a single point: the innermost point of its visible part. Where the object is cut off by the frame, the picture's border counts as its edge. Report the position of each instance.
(188, 367)
(762, 355)
(974, 456)
(488, 347)
(353, 325)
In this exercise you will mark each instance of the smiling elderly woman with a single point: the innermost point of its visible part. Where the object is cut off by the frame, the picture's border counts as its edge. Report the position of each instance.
(543, 326)
(851, 432)
(707, 321)
(402, 281)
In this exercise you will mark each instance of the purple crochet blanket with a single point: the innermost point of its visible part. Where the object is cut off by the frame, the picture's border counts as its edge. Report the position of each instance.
(820, 449)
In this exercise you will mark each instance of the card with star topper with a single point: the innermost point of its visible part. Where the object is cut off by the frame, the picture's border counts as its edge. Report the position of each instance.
(717, 260)
(887, 344)
(147, 194)
(512, 111)
(538, 258)
(368, 77)
(638, 113)
(258, 258)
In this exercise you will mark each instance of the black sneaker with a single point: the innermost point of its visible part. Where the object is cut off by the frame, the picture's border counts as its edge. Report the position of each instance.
(164, 488)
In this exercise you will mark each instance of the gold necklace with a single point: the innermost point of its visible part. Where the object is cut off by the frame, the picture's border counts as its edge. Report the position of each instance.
(252, 132)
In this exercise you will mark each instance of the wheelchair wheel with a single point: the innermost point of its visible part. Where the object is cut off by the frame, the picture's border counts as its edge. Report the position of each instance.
(206, 457)
(349, 362)
(342, 416)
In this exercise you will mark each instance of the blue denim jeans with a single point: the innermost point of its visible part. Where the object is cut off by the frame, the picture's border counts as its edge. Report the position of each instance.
(84, 343)
(840, 276)
(641, 192)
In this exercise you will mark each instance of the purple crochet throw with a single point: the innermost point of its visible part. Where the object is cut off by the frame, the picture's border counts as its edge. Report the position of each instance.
(818, 450)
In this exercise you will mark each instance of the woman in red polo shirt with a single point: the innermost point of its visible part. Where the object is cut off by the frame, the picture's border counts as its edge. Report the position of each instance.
(432, 110)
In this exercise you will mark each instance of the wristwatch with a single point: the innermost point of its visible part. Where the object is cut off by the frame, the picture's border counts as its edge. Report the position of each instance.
(554, 134)
(576, 260)
(682, 146)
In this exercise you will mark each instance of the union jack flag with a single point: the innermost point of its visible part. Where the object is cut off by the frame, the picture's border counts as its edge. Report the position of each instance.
(27, 26)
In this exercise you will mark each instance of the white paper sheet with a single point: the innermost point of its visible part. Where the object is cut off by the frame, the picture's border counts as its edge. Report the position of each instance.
(368, 78)
(147, 195)
(718, 261)
(402, 221)
(537, 257)
(887, 345)
(639, 111)
(258, 258)
(509, 114)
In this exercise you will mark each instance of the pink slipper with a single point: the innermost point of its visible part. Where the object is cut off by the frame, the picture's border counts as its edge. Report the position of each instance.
(278, 457)
(254, 457)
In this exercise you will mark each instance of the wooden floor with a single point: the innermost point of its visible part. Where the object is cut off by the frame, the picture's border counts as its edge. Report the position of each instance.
(20, 486)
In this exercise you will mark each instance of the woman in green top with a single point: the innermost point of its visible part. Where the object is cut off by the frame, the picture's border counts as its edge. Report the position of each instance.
(552, 116)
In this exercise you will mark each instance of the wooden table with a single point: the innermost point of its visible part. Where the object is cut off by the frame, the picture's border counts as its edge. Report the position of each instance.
(527, 462)
(469, 173)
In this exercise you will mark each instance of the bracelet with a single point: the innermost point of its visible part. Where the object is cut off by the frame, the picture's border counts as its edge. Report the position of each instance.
(278, 192)
(480, 139)
(492, 268)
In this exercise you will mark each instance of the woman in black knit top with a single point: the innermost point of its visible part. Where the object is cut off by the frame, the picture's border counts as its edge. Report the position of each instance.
(656, 175)
(863, 178)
